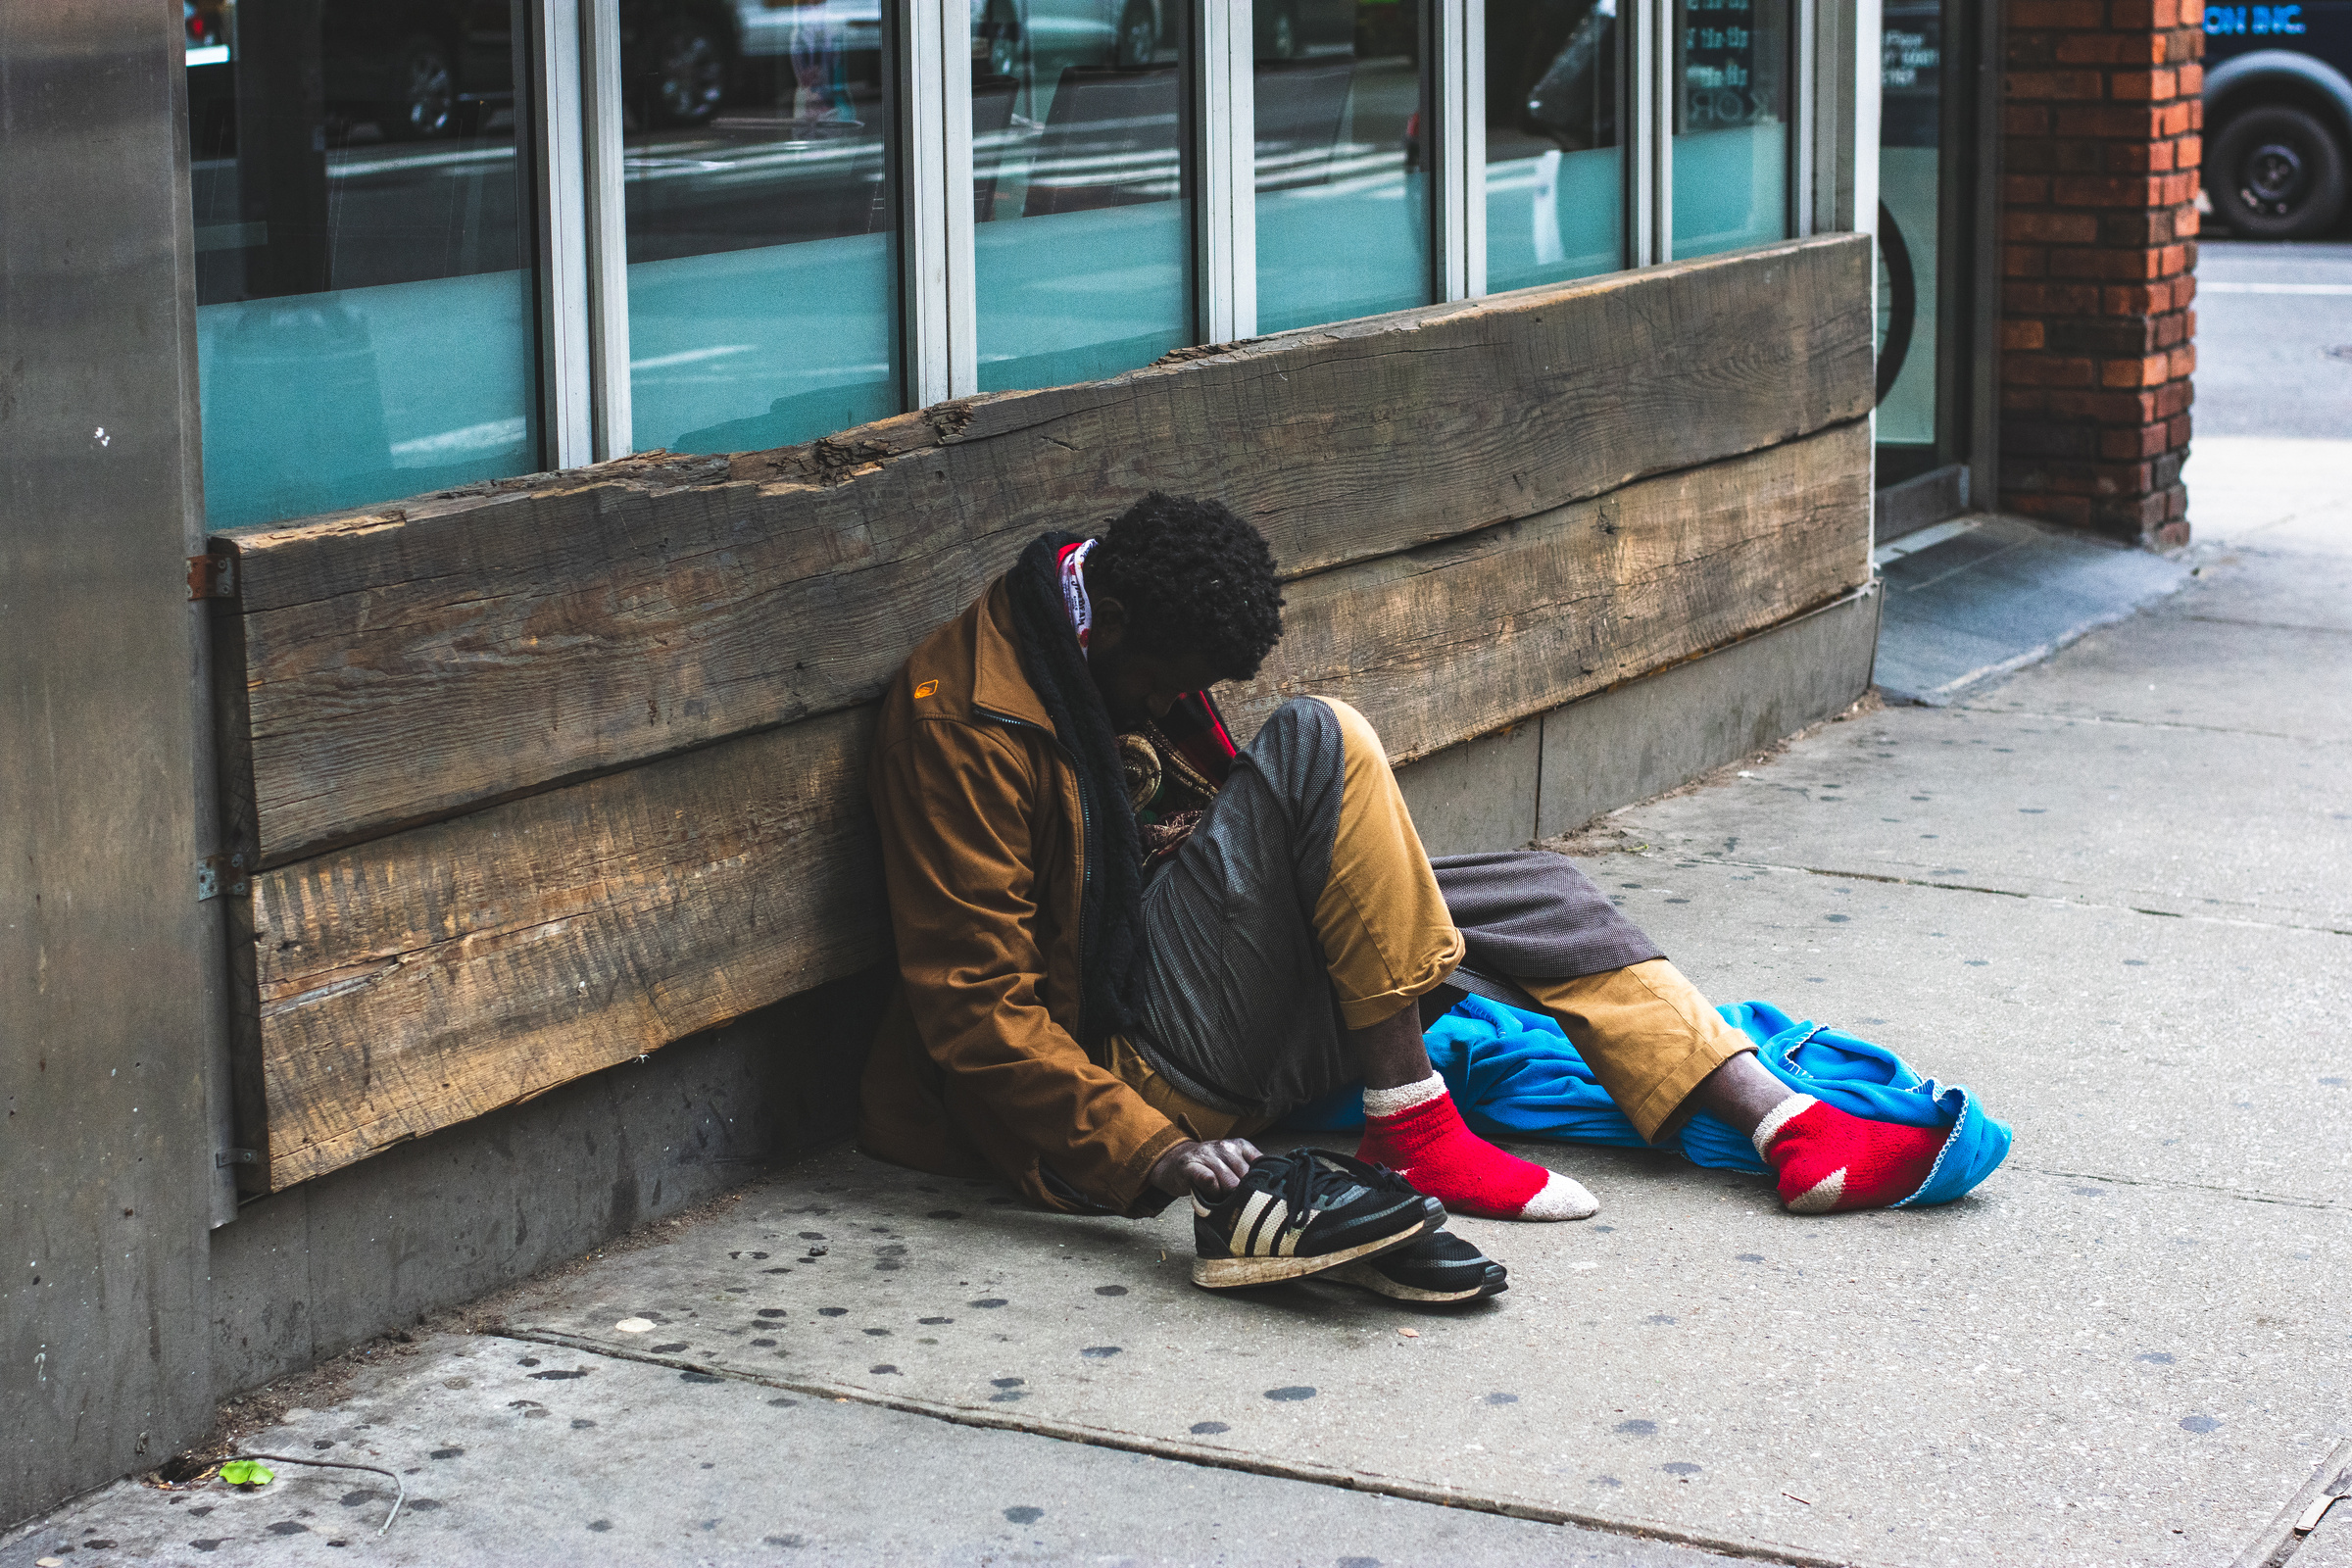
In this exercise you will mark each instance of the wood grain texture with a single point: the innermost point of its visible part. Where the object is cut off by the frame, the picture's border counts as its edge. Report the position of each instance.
(423, 978)
(406, 664)
(1456, 640)
(427, 978)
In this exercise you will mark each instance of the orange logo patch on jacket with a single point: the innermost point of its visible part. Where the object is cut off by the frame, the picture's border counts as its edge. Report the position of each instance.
(926, 688)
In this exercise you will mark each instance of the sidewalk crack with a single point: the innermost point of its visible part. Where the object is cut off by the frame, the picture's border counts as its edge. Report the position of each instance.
(2242, 1194)
(1835, 873)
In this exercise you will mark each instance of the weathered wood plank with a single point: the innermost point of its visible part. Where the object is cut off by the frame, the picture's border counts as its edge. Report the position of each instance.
(410, 663)
(423, 978)
(1459, 639)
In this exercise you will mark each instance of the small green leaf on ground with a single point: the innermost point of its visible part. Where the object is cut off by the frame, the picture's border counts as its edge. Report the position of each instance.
(247, 1473)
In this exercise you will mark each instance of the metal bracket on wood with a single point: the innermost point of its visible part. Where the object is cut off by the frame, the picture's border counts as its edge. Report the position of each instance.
(212, 576)
(216, 874)
(236, 1156)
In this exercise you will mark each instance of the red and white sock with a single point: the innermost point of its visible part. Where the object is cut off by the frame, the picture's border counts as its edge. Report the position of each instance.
(1416, 1132)
(1830, 1160)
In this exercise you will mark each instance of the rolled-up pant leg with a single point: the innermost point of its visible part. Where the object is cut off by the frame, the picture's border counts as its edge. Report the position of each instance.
(1302, 906)
(1648, 1035)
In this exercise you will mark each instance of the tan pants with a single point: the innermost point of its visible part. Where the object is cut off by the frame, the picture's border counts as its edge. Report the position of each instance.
(1387, 939)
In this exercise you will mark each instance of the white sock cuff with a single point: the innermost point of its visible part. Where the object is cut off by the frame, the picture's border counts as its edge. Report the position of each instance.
(1777, 1117)
(1384, 1103)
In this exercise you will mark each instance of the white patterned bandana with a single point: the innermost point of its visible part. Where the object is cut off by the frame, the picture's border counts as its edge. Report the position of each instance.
(1080, 609)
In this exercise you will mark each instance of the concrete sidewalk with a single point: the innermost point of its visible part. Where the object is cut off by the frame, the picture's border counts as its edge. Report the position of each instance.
(2111, 893)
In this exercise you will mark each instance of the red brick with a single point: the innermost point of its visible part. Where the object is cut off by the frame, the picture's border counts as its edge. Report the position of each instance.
(2169, 329)
(2064, 85)
(2110, 190)
(2174, 397)
(2193, 80)
(2112, 49)
(2188, 152)
(2034, 369)
(2141, 87)
(2115, 266)
(2025, 119)
(2122, 446)
(2025, 15)
(2025, 261)
(2148, 369)
(2176, 429)
(2175, 259)
(2020, 335)
(2184, 363)
(2073, 510)
(2114, 409)
(2117, 120)
(2135, 229)
(2049, 299)
(2024, 190)
(2053, 228)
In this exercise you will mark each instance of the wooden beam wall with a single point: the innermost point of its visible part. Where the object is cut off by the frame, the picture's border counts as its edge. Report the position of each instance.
(427, 977)
(408, 664)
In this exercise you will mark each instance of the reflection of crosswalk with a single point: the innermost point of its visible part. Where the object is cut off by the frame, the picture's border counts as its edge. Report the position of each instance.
(345, 165)
(1151, 171)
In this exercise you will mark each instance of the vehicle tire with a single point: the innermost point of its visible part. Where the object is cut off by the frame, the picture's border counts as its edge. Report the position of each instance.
(426, 82)
(686, 79)
(1138, 35)
(2276, 173)
(1003, 33)
(1282, 34)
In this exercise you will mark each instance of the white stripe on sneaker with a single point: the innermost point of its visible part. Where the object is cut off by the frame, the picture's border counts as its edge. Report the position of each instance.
(1777, 1117)
(1246, 1225)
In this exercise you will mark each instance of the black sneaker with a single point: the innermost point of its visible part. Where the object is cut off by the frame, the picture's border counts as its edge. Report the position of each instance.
(1440, 1266)
(1294, 1214)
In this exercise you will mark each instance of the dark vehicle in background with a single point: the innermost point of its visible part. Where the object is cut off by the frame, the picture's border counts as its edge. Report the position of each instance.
(420, 69)
(2279, 115)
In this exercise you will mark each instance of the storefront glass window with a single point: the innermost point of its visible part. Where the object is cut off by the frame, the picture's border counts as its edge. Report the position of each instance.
(363, 317)
(1555, 177)
(763, 273)
(1910, 116)
(1731, 125)
(1342, 189)
(1082, 232)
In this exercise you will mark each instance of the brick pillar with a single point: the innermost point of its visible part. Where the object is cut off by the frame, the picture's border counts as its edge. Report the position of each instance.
(2101, 137)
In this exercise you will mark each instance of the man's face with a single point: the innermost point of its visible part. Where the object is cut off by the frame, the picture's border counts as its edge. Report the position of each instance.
(1138, 682)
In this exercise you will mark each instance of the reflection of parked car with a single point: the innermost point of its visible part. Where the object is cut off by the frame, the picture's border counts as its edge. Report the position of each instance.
(432, 67)
(1050, 35)
(2279, 115)
(1304, 30)
(1574, 102)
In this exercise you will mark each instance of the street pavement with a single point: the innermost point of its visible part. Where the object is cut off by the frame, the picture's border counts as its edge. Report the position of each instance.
(2108, 891)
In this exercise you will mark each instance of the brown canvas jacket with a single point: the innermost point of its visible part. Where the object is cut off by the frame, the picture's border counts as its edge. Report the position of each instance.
(975, 1068)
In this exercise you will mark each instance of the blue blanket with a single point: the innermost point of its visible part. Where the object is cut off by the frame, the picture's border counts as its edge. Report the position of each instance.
(1515, 1073)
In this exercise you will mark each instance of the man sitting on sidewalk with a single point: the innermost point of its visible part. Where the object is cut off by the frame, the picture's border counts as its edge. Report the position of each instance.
(1124, 945)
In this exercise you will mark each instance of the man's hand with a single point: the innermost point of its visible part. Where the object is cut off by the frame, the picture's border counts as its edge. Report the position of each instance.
(1208, 1169)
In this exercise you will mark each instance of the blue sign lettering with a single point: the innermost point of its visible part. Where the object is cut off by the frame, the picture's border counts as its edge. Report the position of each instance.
(2238, 20)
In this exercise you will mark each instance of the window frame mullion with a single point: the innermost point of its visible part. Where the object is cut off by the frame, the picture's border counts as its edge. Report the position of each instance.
(558, 188)
(606, 230)
(1224, 91)
(935, 127)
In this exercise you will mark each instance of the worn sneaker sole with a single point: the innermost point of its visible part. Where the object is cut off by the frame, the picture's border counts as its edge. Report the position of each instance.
(1234, 1273)
(1371, 1279)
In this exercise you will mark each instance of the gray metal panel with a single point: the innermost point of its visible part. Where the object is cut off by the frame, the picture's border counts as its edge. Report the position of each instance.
(107, 968)
(1649, 736)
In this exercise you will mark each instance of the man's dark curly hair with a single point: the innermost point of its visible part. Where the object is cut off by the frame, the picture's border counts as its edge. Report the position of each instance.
(1194, 577)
